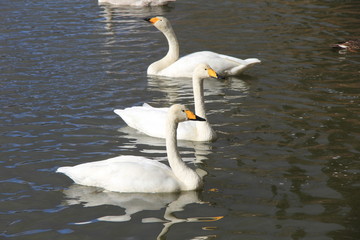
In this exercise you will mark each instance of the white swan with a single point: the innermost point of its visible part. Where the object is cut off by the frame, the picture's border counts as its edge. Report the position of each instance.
(139, 174)
(172, 66)
(151, 121)
(137, 3)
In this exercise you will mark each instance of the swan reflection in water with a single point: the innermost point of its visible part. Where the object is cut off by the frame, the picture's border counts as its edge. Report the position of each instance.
(181, 88)
(137, 202)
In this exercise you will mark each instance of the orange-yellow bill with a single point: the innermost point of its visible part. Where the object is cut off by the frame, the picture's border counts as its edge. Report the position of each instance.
(191, 116)
(212, 73)
(152, 19)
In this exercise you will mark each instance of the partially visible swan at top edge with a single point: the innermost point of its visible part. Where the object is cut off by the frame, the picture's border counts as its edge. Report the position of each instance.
(138, 3)
(173, 66)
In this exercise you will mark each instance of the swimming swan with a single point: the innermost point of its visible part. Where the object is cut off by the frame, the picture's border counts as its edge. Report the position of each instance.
(151, 121)
(172, 66)
(138, 3)
(139, 174)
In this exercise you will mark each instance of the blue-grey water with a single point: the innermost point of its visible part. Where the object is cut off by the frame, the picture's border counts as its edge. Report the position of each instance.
(287, 161)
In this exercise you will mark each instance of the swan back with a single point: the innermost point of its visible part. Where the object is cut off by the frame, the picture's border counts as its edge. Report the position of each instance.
(124, 174)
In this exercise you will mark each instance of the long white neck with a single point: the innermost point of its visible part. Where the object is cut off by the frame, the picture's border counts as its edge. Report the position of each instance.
(203, 128)
(198, 91)
(189, 178)
(171, 56)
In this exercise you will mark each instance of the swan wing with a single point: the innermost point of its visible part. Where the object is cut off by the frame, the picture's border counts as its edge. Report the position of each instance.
(124, 174)
(146, 119)
(222, 64)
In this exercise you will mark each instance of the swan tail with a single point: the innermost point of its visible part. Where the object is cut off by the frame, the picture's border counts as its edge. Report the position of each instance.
(240, 68)
(147, 105)
(252, 60)
(146, 119)
(77, 177)
(119, 112)
(63, 170)
(126, 116)
(122, 112)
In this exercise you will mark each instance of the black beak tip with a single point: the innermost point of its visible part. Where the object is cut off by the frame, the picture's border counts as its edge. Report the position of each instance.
(147, 19)
(200, 119)
(221, 77)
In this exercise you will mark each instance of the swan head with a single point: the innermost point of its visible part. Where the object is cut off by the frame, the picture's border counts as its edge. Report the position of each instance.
(204, 71)
(181, 113)
(159, 22)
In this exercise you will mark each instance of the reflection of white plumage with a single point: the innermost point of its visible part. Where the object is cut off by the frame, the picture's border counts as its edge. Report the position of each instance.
(138, 3)
(150, 120)
(139, 174)
(172, 66)
(131, 202)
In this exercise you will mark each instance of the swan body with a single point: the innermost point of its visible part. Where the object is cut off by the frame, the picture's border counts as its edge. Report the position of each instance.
(173, 66)
(151, 120)
(139, 174)
(138, 3)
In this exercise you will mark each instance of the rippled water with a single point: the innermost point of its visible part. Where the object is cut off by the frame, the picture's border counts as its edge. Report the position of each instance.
(285, 166)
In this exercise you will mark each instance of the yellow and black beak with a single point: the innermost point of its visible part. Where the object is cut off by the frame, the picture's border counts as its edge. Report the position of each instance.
(191, 116)
(213, 74)
(152, 20)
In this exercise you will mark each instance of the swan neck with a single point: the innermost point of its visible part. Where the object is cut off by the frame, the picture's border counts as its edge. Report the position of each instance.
(173, 53)
(172, 151)
(171, 56)
(186, 176)
(198, 90)
(203, 128)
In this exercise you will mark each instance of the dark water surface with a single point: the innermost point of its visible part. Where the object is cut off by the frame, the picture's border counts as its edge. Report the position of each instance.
(285, 166)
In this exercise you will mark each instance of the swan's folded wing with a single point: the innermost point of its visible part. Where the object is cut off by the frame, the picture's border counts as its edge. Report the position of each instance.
(223, 64)
(123, 174)
(146, 119)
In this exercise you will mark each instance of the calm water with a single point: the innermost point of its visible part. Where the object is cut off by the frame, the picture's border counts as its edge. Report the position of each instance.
(285, 166)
